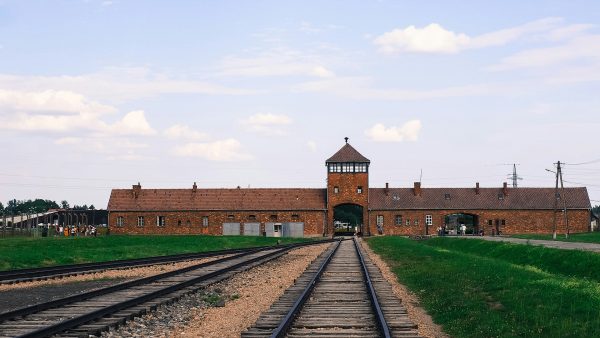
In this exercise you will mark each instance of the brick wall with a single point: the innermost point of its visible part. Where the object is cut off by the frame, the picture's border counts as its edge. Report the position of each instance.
(516, 221)
(313, 221)
(348, 184)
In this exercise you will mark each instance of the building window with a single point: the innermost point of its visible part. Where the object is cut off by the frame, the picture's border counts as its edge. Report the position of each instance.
(416, 222)
(230, 217)
(447, 196)
(398, 219)
(428, 220)
(120, 222)
(188, 223)
(360, 167)
(295, 218)
(500, 196)
(379, 220)
(359, 190)
(503, 222)
(205, 221)
(252, 218)
(407, 221)
(179, 222)
(335, 167)
(160, 221)
(490, 222)
(140, 221)
(273, 218)
(336, 190)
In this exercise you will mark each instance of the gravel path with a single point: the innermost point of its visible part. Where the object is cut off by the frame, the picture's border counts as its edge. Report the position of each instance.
(18, 298)
(108, 274)
(427, 328)
(226, 308)
(540, 242)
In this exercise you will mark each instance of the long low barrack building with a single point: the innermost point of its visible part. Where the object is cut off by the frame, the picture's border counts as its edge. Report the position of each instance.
(348, 200)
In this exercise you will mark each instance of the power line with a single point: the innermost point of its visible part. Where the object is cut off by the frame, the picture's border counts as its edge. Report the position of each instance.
(583, 163)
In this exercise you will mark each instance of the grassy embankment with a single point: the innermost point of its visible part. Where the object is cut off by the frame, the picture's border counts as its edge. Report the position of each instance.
(489, 289)
(23, 252)
(588, 237)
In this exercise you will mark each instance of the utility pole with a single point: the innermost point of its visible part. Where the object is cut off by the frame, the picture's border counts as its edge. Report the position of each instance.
(556, 194)
(563, 198)
(514, 177)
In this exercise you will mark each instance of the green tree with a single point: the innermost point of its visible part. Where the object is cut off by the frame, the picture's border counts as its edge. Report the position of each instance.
(64, 204)
(1, 207)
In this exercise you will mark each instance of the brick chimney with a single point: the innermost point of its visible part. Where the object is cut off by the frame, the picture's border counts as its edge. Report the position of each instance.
(417, 189)
(387, 189)
(194, 188)
(477, 188)
(505, 189)
(136, 190)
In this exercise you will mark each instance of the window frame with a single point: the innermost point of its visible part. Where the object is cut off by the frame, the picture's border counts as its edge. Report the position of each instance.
(398, 220)
(120, 221)
(140, 221)
(379, 220)
(159, 219)
(428, 220)
(204, 221)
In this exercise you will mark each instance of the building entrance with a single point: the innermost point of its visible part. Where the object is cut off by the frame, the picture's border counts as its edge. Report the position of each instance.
(454, 222)
(347, 219)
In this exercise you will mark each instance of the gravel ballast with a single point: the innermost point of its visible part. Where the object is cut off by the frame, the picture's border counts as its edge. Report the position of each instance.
(226, 308)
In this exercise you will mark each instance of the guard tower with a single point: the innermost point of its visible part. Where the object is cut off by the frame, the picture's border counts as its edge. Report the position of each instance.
(347, 183)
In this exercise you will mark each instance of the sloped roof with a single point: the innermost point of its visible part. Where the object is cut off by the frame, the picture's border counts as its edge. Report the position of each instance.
(217, 199)
(347, 154)
(466, 198)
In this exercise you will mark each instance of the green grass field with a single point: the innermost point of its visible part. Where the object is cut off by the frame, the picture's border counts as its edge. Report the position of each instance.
(588, 237)
(490, 289)
(26, 252)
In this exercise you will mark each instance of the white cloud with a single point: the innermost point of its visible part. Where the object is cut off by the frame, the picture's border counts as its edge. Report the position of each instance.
(409, 131)
(62, 101)
(585, 47)
(220, 151)
(268, 124)
(113, 148)
(363, 88)
(434, 38)
(277, 62)
(133, 123)
(116, 85)
(179, 131)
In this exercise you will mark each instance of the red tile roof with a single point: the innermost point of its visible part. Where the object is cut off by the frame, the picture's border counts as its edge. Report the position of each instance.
(347, 154)
(217, 199)
(466, 198)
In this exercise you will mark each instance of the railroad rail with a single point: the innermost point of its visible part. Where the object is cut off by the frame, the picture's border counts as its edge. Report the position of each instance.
(92, 312)
(60, 271)
(341, 294)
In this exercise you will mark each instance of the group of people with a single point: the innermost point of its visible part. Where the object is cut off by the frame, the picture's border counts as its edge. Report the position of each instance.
(462, 230)
(73, 230)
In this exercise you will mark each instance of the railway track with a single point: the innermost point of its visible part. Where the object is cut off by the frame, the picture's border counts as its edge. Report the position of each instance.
(28, 275)
(341, 294)
(92, 312)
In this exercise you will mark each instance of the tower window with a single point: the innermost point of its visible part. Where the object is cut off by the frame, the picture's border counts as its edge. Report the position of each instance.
(359, 190)
(336, 190)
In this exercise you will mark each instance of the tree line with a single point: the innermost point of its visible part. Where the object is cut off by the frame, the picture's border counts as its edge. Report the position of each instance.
(17, 207)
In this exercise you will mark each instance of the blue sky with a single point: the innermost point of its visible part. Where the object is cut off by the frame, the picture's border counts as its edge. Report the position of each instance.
(103, 94)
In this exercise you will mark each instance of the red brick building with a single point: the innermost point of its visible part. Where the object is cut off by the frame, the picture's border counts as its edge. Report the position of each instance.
(313, 212)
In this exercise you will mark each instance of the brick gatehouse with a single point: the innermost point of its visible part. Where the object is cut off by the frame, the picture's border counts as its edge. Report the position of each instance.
(312, 212)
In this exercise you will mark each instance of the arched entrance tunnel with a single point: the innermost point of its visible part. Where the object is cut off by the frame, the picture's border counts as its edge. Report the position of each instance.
(453, 223)
(347, 219)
